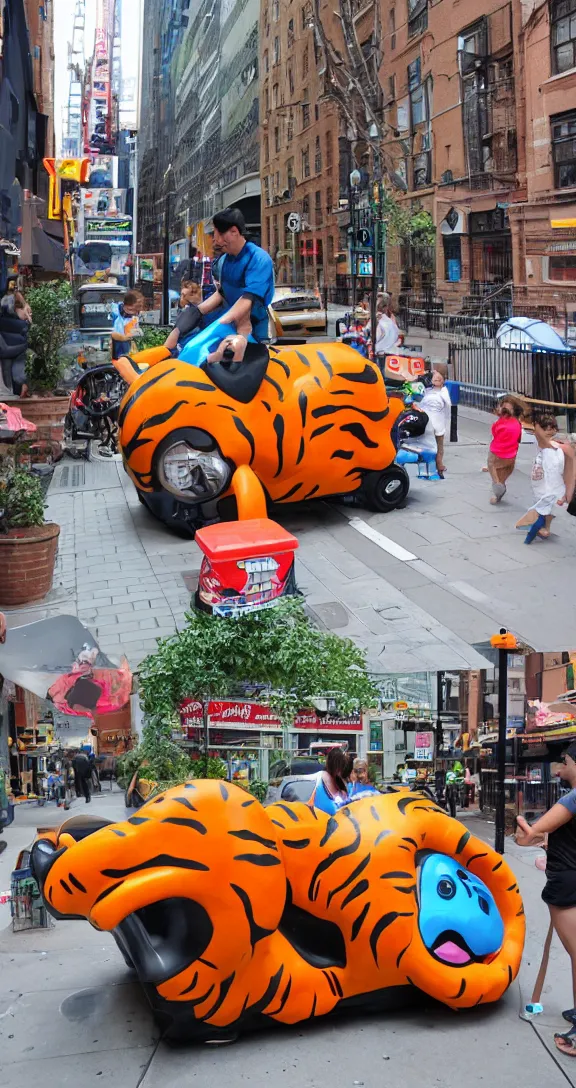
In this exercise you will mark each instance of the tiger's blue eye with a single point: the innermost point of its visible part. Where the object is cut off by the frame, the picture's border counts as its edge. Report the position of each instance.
(446, 888)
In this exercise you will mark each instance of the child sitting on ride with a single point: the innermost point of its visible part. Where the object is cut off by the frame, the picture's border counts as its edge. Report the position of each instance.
(416, 437)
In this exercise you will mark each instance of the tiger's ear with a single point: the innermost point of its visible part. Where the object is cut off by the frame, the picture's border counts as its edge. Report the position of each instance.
(79, 827)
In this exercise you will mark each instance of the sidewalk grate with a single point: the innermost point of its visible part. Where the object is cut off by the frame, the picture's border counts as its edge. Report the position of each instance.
(84, 476)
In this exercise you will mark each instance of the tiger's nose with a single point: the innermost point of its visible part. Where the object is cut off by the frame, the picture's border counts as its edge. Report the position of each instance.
(42, 858)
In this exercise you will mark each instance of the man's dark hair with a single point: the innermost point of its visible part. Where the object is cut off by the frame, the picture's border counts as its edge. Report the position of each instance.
(230, 217)
(570, 751)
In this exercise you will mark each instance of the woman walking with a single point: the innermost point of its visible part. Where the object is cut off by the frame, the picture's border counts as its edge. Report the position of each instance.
(559, 825)
(15, 321)
(553, 476)
(506, 437)
(437, 405)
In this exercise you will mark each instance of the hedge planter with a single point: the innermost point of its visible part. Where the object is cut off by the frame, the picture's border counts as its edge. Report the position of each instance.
(27, 558)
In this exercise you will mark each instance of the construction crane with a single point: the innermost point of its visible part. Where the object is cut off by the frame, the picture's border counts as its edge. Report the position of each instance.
(99, 122)
(72, 127)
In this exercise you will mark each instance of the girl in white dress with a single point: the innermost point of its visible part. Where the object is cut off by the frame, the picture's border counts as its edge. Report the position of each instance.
(437, 404)
(552, 478)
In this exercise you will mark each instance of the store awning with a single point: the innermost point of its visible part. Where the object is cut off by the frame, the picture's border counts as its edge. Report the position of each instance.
(47, 253)
(566, 732)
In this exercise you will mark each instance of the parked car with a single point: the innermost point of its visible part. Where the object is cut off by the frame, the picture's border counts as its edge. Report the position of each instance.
(297, 311)
(293, 787)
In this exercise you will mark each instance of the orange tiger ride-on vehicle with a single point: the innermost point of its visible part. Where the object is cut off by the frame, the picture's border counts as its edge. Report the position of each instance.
(306, 422)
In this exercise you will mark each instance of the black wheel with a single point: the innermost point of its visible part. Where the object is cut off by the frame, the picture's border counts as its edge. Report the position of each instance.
(386, 490)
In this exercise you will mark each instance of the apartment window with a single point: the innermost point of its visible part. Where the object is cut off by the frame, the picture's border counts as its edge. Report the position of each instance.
(290, 179)
(305, 111)
(275, 10)
(277, 139)
(563, 34)
(316, 112)
(392, 27)
(266, 149)
(564, 149)
(290, 33)
(391, 88)
(277, 181)
(452, 258)
(562, 269)
(417, 16)
(276, 53)
(305, 64)
(276, 236)
(275, 96)
(266, 100)
(267, 197)
(266, 61)
(318, 207)
(328, 150)
(317, 157)
(290, 130)
(330, 248)
(329, 200)
(306, 162)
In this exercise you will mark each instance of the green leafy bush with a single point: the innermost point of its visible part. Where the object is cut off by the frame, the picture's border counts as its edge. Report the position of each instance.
(153, 336)
(21, 501)
(51, 305)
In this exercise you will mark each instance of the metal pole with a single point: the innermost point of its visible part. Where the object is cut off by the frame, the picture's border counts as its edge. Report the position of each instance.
(501, 771)
(166, 269)
(439, 729)
(205, 735)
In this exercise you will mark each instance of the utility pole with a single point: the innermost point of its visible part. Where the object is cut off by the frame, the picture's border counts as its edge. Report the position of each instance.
(505, 643)
(166, 248)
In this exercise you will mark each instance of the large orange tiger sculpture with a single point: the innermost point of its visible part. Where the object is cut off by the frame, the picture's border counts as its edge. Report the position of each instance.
(309, 422)
(235, 915)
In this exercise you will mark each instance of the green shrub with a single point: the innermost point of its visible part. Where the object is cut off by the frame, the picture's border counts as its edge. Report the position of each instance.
(21, 501)
(51, 305)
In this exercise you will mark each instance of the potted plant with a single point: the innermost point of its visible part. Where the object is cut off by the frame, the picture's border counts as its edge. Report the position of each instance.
(51, 305)
(28, 544)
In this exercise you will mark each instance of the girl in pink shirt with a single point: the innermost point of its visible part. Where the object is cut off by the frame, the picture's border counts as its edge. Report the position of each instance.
(506, 436)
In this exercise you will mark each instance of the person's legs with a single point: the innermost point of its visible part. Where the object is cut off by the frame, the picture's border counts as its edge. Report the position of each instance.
(77, 784)
(545, 531)
(564, 922)
(440, 453)
(86, 788)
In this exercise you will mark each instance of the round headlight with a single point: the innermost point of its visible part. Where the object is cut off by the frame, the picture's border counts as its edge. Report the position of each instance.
(191, 474)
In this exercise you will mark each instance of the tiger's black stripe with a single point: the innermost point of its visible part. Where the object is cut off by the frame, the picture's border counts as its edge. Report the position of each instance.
(251, 836)
(205, 387)
(296, 844)
(161, 861)
(189, 988)
(269, 993)
(359, 889)
(66, 887)
(328, 978)
(106, 892)
(284, 366)
(199, 1000)
(135, 396)
(154, 421)
(224, 792)
(325, 363)
(313, 491)
(243, 430)
(475, 858)
(397, 875)
(359, 921)
(246, 804)
(400, 954)
(368, 376)
(497, 866)
(115, 831)
(406, 838)
(263, 860)
(336, 981)
(341, 393)
(79, 887)
(462, 842)
(257, 933)
(344, 851)
(224, 987)
(228, 407)
(187, 804)
(382, 924)
(289, 494)
(277, 387)
(329, 409)
(185, 821)
(374, 813)
(303, 406)
(288, 812)
(266, 405)
(344, 455)
(382, 835)
(349, 879)
(460, 991)
(303, 359)
(321, 430)
(136, 820)
(359, 432)
(331, 827)
(278, 425)
(407, 891)
(283, 999)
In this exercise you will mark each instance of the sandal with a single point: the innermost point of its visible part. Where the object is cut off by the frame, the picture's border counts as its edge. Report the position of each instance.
(569, 1015)
(565, 1043)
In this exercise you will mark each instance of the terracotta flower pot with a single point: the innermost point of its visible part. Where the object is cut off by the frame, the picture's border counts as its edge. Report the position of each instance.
(27, 558)
(48, 413)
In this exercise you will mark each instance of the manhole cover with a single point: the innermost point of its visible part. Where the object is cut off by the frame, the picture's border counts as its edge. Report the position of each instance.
(331, 615)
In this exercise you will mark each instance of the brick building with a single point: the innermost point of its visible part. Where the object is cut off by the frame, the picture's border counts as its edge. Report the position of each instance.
(304, 156)
(543, 225)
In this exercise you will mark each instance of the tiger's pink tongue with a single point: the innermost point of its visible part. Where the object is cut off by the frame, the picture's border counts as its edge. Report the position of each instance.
(451, 953)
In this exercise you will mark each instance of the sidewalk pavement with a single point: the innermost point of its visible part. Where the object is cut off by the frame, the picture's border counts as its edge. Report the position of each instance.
(70, 1013)
(424, 591)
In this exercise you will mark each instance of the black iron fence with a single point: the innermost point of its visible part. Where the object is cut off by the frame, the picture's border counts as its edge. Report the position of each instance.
(522, 796)
(485, 370)
(451, 326)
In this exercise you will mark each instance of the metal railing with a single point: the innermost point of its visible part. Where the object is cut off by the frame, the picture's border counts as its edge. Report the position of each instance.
(485, 370)
(520, 795)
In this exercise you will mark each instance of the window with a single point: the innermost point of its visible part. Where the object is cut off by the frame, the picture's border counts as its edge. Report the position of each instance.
(275, 96)
(564, 149)
(276, 54)
(562, 269)
(391, 88)
(290, 33)
(290, 130)
(275, 10)
(316, 112)
(266, 61)
(563, 35)
(277, 181)
(329, 200)
(305, 64)
(266, 149)
(290, 179)
(392, 28)
(317, 157)
(305, 111)
(276, 238)
(328, 150)
(291, 83)
(318, 207)
(330, 248)
(277, 139)
(416, 89)
(417, 17)
(306, 162)
(266, 100)
(306, 207)
(267, 197)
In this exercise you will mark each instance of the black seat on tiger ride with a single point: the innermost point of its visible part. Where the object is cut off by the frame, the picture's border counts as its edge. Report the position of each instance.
(241, 381)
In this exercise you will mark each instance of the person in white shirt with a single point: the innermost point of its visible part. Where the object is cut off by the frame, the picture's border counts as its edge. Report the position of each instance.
(387, 331)
(437, 404)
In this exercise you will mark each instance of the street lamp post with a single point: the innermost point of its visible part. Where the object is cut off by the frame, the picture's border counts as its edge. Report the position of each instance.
(505, 643)
(168, 179)
(354, 180)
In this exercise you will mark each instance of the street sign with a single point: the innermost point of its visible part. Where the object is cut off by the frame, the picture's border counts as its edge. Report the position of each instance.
(294, 222)
(400, 705)
(363, 237)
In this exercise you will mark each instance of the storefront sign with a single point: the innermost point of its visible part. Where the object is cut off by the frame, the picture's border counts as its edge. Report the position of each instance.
(116, 227)
(231, 715)
(424, 746)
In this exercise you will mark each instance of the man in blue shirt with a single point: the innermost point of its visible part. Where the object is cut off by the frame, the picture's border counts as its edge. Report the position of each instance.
(246, 276)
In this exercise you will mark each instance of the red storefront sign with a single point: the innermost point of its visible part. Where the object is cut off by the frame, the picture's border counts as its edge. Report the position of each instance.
(235, 715)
